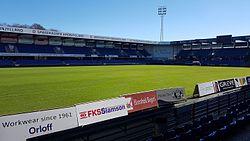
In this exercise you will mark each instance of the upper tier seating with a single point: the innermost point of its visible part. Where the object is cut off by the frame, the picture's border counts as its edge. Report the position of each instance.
(38, 62)
(108, 51)
(130, 52)
(2, 48)
(22, 48)
(144, 53)
(6, 63)
(76, 50)
(27, 48)
(226, 56)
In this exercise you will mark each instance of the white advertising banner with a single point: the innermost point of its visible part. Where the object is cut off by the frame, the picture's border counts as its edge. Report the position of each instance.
(239, 82)
(100, 111)
(207, 88)
(24, 126)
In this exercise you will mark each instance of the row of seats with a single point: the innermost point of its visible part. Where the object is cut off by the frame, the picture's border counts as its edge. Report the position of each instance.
(229, 52)
(228, 57)
(38, 63)
(55, 62)
(209, 128)
(6, 63)
(22, 48)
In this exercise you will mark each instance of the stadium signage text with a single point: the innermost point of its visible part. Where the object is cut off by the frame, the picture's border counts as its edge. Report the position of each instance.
(69, 35)
(171, 95)
(24, 126)
(101, 110)
(141, 101)
(225, 85)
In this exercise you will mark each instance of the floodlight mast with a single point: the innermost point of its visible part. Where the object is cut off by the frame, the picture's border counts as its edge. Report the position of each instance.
(162, 11)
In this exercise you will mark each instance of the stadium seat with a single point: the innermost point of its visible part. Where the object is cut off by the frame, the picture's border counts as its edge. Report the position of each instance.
(6, 63)
(171, 135)
(222, 56)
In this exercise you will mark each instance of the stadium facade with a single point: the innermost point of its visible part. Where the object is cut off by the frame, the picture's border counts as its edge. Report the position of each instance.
(32, 47)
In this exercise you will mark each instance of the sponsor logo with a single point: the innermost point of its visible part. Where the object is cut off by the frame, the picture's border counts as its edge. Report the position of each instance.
(101, 111)
(141, 101)
(40, 129)
(226, 84)
(11, 29)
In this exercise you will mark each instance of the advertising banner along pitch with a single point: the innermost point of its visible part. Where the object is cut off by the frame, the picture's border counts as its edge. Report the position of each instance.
(171, 95)
(207, 88)
(225, 85)
(239, 82)
(101, 110)
(24, 126)
(141, 101)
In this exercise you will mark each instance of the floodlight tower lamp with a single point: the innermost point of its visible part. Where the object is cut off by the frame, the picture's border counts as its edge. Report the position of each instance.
(162, 11)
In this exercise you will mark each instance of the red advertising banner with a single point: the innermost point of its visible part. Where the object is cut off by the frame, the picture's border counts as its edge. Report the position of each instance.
(141, 101)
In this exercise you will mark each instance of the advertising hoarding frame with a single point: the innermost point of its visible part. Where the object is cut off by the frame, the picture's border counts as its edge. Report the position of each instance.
(141, 101)
(28, 125)
(94, 112)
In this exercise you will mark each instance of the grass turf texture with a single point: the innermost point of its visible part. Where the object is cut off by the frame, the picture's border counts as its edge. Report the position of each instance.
(36, 88)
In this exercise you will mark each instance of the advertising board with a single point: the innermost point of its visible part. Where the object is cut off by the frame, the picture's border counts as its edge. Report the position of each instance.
(171, 95)
(141, 101)
(239, 82)
(225, 85)
(207, 88)
(94, 112)
(24, 126)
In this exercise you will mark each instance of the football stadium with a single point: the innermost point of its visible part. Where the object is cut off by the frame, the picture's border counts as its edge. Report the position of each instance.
(60, 86)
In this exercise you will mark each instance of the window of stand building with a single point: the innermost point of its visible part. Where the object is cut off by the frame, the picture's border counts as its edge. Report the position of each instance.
(133, 46)
(100, 44)
(8, 38)
(140, 47)
(109, 45)
(68, 42)
(25, 39)
(80, 43)
(117, 45)
(55, 41)
(125, 46)
(41, 40)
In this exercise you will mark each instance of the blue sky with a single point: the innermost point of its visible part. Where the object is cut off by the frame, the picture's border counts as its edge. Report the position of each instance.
(186, 19)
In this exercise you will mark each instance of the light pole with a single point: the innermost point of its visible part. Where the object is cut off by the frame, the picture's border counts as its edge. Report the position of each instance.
(162, 11)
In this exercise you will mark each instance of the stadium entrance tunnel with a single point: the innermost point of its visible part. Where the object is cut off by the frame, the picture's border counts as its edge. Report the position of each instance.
(212, 117)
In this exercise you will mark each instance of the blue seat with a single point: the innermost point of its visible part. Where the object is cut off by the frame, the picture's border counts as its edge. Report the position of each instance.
(6, 63)
(171, 135)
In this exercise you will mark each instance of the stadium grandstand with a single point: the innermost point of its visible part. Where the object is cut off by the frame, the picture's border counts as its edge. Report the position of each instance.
(221, 51)
(33, 47)
(214, 110)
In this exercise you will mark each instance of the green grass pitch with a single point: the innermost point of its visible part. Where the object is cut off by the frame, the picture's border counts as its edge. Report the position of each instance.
(38, 88)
